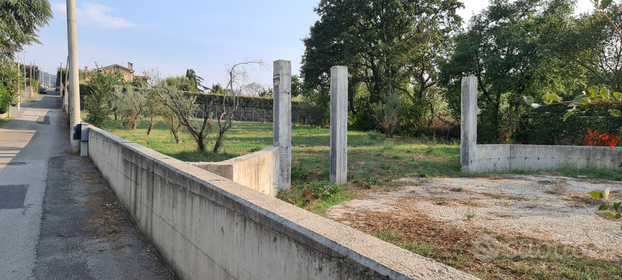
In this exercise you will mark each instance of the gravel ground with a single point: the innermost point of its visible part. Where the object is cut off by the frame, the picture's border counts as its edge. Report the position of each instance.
(547, 208)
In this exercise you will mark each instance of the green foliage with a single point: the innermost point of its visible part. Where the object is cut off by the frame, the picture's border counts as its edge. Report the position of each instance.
(383, 43)
(597, 109)
(610, 209)
(388, 113)
(195, 80)
(316, 196)
(20, 20)
(130, 103)
(98, 102)
(180, 83)
(61, 73)
(508, 47)
(10, 81)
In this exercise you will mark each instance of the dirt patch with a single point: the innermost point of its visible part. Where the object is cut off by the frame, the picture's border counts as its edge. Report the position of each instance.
(453, 212)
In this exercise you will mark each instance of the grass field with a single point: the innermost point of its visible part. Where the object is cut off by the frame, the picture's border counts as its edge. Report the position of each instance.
(374, 163)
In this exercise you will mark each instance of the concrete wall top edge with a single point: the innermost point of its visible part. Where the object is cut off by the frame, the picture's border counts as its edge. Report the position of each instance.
(239, 159)
(108, 135)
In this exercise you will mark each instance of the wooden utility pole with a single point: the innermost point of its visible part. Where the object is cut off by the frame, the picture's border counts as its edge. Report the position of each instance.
(74, 104)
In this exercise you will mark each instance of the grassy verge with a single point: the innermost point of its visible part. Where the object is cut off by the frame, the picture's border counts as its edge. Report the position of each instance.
(3, 122)
(548, 263)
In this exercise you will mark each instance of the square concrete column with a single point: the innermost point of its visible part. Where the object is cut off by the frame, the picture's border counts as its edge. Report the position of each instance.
(468, 125)
(282, 123)
(338, 125)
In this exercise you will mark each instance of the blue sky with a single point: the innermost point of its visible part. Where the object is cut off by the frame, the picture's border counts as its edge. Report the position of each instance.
(202, 35)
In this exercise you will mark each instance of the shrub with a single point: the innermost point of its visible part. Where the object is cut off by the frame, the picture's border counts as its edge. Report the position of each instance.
(98, 103)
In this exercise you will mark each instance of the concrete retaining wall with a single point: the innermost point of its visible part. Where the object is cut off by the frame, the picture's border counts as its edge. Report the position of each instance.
(258, 171)
(208, 227)
(544, 157)
(487, 158)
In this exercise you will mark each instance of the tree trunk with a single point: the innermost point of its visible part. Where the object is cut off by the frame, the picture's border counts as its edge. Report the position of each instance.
(150, 126)
(174, 131)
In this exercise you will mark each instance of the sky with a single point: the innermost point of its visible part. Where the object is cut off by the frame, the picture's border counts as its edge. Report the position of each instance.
(202, 35)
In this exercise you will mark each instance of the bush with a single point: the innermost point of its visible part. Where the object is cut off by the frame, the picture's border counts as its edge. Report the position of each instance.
(98, 102)
(4, 99)
(10, 81)
(545, 125)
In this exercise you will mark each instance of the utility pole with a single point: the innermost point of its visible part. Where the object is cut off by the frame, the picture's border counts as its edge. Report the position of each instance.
(25, 86)
(30, 78)
(74, 111)
(66, 96)
(19, 97)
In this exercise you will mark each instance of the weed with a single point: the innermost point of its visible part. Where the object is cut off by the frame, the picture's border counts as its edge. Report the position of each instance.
(470, 213)
(612, 210)
(114, 230)
(299, 172)
(456, 189)
(101, 251)
(256, 149)
(388, 144)
(42, 218)
(368, 180)
(316, 196)
(502, 238)
(441, 203)
(3, 122)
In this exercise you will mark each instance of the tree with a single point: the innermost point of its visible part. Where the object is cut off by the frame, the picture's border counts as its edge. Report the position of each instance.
(195, 80)
(268, 92)
(507, 47)
(130, 103)
(99, 103)
(385, 44)
(216, 89)
(184, 107)
(20, 21)
(10, 81)
(606, 68)
(238, 76)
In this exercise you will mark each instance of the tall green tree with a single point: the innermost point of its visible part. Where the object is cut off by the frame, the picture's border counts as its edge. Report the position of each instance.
(20, 21)
(196, 80)
(100, 103)
(385, 44)
(508, 48)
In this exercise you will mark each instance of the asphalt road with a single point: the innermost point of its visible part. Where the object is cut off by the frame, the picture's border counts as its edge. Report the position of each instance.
(58, 217)
(27, 143)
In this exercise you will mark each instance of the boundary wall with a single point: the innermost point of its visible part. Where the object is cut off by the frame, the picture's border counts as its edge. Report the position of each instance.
(205, 226)
(487, 158)
(258, 171)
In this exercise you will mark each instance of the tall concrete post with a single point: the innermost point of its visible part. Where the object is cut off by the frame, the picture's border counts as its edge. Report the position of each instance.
(282, 123)
(66, 94)
(338, 125)
(74, 105)
(468, 124)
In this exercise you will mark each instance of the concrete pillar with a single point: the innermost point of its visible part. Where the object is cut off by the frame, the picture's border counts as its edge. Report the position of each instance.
(338, 125)
(468, 125)
(282, 123)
